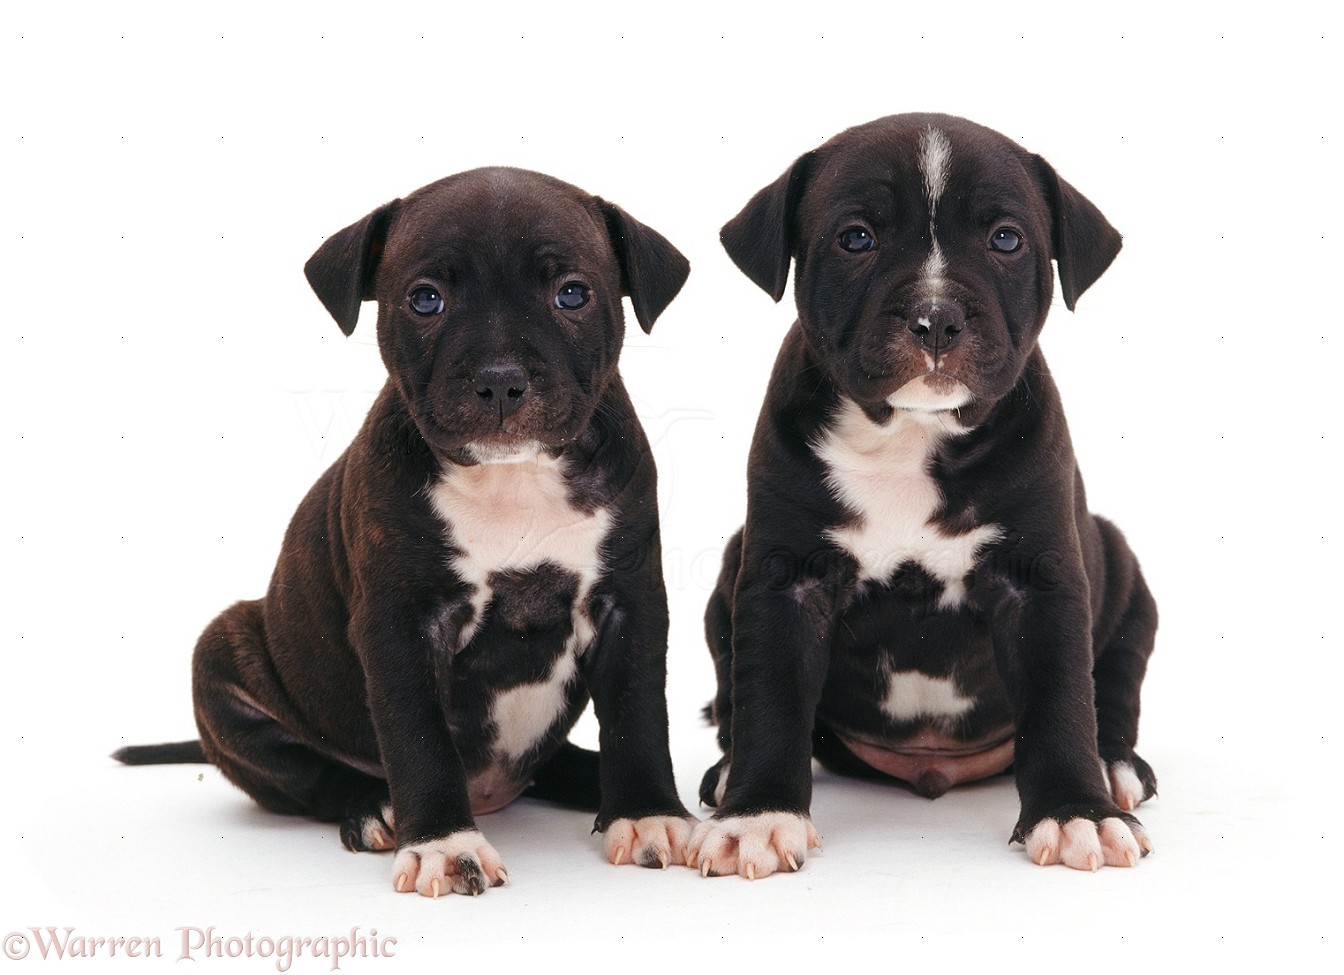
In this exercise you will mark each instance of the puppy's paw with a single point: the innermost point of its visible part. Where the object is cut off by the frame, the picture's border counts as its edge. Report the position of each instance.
(714, 782)
(1086, 844)
(460, 863)
(654, 841)
(1131, 781)
(753, 846)
(370, 829)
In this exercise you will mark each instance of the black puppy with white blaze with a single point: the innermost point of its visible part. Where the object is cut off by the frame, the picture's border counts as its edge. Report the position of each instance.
(482, 559)
(919, 592)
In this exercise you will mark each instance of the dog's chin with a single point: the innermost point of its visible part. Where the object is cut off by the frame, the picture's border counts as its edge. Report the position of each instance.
(521, 438)
(932, 392)
(502, 452)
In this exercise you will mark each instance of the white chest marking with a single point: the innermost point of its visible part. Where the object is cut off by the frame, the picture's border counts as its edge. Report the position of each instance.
(880, 473)
(517, 516)
(912, 696)
(935, 157)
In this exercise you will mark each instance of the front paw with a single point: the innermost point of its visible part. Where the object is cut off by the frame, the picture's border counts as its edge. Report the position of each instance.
(462, 862)
(1086, 839)
(753, 846)
(653, 841)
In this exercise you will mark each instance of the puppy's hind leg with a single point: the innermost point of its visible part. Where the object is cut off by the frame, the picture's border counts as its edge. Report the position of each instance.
(367, 823)
(569, 778)
(245, 721)
(719, 636)
(1121, 662)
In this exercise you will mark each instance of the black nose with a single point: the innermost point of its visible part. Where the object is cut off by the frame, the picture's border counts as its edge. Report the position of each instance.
(501, 388)
(937, 324)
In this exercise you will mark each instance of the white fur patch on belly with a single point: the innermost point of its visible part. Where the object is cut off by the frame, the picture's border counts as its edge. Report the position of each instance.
(912, 696)
(524, 713)
(880, 473)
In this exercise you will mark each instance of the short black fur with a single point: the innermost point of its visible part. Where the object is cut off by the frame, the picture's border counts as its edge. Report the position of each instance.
(367, 674)
(1043, 642)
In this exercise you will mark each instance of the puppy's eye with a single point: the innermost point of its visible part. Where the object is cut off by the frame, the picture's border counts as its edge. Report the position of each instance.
(572, 295)
(425, 301)
(857, 239)
(1005, 240)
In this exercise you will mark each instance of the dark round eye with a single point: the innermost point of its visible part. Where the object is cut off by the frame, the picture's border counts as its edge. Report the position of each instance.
(857, 239)
(572, 295)
(1005, 240)
(425, 301)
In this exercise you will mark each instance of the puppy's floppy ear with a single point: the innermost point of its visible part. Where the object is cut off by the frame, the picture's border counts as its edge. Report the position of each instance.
(652, 270)
(761, 238)
(341, 272)
(1084, 241)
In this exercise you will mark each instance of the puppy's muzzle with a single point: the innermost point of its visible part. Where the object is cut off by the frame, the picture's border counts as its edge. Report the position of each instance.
(936, 324)
(501, 388)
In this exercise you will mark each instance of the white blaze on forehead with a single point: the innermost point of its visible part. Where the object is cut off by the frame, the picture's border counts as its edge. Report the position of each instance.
(935, 157)
(935, 265)
(935, 152)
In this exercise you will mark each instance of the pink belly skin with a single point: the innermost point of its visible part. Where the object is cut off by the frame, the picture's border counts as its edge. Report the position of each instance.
(492, 790)
(933, 762)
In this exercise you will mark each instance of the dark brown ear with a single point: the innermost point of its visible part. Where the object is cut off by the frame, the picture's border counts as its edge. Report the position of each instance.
(341, 272)
(1085, 242)
(761, 238)
(652, 270)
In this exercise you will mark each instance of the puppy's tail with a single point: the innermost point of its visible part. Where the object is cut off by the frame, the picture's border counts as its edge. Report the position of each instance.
(569, 779)
(170, 753)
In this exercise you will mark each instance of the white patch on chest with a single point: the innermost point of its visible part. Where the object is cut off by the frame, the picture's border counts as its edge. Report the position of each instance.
(514, 517)
(881, 474)
(912, 696)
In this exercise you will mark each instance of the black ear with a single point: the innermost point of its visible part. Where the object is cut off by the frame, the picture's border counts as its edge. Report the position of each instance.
(1085, 242)
(761, 238)
(652, 270)
(341, 272)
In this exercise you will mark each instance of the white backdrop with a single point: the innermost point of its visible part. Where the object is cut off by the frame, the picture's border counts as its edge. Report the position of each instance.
(172, 388)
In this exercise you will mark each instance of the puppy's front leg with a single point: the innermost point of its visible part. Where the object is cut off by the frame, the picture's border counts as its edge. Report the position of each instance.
(784, 619)
(439, 848)
(641, 815)
(1042, 641)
